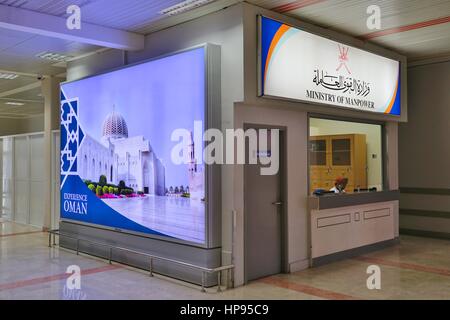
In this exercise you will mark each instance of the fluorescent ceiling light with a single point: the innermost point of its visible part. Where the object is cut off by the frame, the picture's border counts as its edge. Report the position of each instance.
(8, 76)
(53, 56)
(12, 103)
(184, 6)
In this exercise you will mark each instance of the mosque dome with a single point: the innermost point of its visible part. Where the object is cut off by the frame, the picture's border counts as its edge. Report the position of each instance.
(115, 126)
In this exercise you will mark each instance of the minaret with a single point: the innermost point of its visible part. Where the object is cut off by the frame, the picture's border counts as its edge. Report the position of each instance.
(192, 164)
(195, 173)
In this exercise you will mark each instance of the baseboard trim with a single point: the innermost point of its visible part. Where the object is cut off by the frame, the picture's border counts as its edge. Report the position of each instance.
(425, 233)
(298, 265)
(425, 213)
(351, 253)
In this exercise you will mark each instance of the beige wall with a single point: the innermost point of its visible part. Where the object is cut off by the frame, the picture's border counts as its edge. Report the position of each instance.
(373, 141)
(424, 150)
(424, 140)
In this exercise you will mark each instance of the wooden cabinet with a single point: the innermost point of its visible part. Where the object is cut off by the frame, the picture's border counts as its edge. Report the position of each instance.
(335, 156)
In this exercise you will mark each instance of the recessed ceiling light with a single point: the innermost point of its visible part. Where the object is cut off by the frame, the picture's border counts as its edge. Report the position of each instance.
(8, 76)
(53, 56)
(12, 103)
(184, 6)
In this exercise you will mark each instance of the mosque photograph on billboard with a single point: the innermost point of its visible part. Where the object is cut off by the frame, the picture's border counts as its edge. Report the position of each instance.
(117, 169)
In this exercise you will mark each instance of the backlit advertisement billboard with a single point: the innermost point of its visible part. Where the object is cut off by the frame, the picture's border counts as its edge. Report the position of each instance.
(117, 168)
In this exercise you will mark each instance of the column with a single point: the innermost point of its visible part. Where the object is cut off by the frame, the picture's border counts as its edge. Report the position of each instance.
(50, 92)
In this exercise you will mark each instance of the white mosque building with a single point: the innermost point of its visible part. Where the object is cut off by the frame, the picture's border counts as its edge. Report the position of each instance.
(120, 157)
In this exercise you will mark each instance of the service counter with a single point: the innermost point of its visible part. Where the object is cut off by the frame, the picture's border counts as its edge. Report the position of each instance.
(345, 225)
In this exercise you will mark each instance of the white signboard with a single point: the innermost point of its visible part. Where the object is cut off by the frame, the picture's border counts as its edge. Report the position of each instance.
(302, 66)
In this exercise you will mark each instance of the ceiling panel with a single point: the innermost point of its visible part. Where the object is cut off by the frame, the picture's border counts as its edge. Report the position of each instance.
(33, 95)
(126, 16)
(31, 98)
(167, 22)
(28, 64)
(129, 15)
(7, 42)
(19, 112)
(18, 52)
(118, 14)
(38, 44)
(18, 35)
(20, 81)
(420, 43)
(52, 7)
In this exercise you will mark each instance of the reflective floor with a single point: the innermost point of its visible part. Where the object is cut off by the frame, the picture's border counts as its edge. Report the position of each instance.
(178, 217)
(417, 268)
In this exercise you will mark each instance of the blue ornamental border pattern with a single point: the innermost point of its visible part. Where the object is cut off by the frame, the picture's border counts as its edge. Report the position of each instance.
(71, 137)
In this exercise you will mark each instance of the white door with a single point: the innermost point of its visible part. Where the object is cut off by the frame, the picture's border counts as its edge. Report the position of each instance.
(56, 179)
(263, 217)
(37, 214)
(7, 178)
(22, 180)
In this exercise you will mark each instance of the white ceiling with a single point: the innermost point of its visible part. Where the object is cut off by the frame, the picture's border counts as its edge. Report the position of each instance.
(410, 27)
(18, 52)
(140, 16)
(29, 110)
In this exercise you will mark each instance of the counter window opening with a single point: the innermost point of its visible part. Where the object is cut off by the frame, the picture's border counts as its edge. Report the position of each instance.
(345, 156)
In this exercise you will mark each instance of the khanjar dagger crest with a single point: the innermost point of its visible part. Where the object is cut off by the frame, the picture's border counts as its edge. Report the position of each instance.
(343, 58)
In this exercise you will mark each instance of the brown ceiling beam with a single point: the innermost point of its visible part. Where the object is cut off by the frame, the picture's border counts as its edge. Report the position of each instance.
(294, 5)
(409, 27)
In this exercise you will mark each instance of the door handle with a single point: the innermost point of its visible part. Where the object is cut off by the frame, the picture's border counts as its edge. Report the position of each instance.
(277, 203)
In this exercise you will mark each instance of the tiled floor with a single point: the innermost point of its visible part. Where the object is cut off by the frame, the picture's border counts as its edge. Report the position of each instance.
(417, 268)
